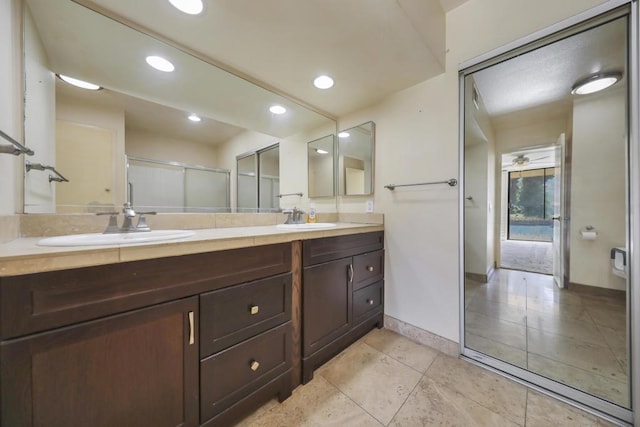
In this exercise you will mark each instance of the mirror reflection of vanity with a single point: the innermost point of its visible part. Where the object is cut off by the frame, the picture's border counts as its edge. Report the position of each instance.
(137, 125)
(355, 160)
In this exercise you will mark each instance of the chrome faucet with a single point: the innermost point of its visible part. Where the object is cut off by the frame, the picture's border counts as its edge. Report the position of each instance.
(295, 216)
(127, 224)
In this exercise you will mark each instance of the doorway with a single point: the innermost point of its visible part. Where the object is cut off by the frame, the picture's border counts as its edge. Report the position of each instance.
(530, 200)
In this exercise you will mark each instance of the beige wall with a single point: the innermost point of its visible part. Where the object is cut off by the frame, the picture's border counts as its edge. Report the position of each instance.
(40, 111)
(10, 105)
(598, 187)
(417, 140)
(154, 146)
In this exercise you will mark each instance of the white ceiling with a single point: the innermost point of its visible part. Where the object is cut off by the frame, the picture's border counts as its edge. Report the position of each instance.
(371, 48)
(541, 80)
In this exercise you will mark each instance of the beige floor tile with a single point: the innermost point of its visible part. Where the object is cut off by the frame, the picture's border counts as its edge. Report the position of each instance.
(489, 390)
(577, 329)
(500, 310)
(609, 316)
(361, 372)
(560, 311)
(508, 333)
(495, 349)
(434, 404)
(617, 342)
(544, 411)
(317, 403)
(598, 359)
(412, 354)
(611, 390)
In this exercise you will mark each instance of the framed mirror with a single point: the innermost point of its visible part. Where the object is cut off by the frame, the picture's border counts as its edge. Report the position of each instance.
(321, 167)
(198, 115)
(355, 160)
(545, 208)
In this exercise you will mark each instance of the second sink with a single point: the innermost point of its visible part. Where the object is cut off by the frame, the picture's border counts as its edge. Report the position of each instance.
(99, 239)
(306, 226)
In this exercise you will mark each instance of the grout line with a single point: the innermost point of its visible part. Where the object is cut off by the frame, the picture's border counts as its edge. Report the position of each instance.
(405, 400)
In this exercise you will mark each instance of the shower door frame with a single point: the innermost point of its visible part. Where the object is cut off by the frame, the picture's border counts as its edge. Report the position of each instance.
(570, 395)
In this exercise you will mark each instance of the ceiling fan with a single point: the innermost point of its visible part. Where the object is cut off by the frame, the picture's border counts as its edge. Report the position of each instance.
(522, 160)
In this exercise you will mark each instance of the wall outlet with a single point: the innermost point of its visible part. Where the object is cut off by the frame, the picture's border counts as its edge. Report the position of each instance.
(368, 206)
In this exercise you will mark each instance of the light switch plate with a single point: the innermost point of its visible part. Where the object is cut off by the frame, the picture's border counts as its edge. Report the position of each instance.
(369, 206)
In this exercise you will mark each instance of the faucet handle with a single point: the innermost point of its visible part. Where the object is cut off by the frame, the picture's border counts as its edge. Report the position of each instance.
(112, 227)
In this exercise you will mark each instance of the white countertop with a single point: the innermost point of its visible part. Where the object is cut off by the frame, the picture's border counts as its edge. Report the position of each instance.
(24, 256)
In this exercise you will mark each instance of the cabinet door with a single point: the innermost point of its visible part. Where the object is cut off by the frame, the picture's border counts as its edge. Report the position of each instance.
(326, 303)
(135, 369)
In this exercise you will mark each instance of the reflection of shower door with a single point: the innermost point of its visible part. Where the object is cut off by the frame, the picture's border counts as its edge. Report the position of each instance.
(558, 215)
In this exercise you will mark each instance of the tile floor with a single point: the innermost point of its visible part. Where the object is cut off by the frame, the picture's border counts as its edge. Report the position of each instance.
(385, 379)
(574, 337)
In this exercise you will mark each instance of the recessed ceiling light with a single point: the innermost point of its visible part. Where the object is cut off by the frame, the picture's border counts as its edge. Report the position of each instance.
(160, 64)
(79, 83)
(192, 7)
(343, 135)
(323, 82)
(194, 118)
(321, 151)
(596, 82)
(277, 109)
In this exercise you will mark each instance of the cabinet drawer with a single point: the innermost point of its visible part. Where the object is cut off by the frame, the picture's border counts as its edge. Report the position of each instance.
(367, 269)
(234, 373)
(367, 300)
(229, 316)
(315, 251)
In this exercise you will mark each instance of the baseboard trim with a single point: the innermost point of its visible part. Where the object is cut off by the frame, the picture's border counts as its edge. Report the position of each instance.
(422, 336)
(597, 291)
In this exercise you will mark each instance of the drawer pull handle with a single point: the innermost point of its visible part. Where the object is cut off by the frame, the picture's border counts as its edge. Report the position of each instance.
(370, 301)
(350, 273)
(369, 268)
(254, 309)
(255, 365)
(192, 339)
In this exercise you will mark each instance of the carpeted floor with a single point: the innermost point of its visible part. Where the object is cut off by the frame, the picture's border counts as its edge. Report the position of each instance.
(536, 257)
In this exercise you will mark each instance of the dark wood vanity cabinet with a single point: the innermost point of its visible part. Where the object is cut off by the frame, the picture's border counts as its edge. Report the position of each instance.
(134, 369)
(342, 294)
(182, 341)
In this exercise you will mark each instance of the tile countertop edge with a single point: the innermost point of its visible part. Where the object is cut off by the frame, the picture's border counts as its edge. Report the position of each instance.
(23, 256)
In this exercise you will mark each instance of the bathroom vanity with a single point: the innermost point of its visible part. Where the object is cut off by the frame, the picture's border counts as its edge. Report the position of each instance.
(185, 340)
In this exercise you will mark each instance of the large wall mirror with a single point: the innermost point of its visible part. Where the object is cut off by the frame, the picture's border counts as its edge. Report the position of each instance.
(355, 160)
(545, 213)
(190, 124)
(321, 166)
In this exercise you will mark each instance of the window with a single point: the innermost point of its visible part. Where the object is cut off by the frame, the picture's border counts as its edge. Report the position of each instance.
(531, 194)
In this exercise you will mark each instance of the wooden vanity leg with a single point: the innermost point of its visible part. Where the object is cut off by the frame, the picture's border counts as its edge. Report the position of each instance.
(296, 312)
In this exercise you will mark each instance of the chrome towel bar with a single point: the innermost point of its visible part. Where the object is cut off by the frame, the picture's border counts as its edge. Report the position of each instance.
(16, 149)
(41, 167)
(452, 183)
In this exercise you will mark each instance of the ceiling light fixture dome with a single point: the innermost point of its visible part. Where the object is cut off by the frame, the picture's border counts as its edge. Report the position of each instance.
(191, 7)
(321, 151)
(277, 109)
(323, 82)
(343, 135)
(596, 82)
(79, 83)
(194, 118)
(160, 63)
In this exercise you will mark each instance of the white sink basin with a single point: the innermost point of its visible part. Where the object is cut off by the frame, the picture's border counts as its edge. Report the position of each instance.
(307, 226)
(96, 239)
